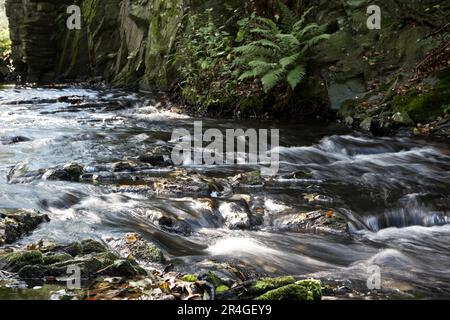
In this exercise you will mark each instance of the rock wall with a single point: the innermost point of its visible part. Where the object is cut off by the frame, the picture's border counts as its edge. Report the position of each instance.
(126, 42)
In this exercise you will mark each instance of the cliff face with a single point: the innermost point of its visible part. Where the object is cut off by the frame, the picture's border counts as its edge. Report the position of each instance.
(126, 42)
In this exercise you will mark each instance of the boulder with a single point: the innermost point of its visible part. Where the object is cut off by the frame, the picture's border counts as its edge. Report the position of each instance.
(16, 223)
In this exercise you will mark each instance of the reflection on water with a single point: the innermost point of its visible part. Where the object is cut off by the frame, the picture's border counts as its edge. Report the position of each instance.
(394, 191)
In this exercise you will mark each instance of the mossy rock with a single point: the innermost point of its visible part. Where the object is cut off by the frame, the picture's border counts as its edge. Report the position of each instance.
(17, 260)
(189, 278)
(313, 286)
(92, 246)
(74, 249)
(52, 258)
(266, 284)
(154, 254)
(214, 279)
(307, 291)
(222, 288)
(421, 107)
(123, 268)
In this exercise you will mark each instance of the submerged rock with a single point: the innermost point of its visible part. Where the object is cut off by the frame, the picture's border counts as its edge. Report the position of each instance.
(16, 223)
(158, 157)
(14, 140)
(320, 220)
(236, 215)
(70, 172)
(134, 245)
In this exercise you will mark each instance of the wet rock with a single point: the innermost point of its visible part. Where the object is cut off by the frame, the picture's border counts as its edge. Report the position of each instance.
(92, 246)
(56, 175)
(98, 264)
(70, 172)
(20, 174)
(16, 223)
(74, 170)
(302, 290)
(124, 166)
(236, 215)
(185, 185)
(56, 257)
(248, 179)
(73, 249)
(14, 140)
(320, 220)
(33, 272)
(15, 261)
(134, 245)
(173, 225)
(158, 157)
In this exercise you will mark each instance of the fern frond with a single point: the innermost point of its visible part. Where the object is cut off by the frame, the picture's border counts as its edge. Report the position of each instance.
(261, 31)
(252, 51)
(315, 40)
(300, 33)
(288, 39)
(260, 63)
(266, 43)
(296, 76)
(272, 79)
(247, 75)
(288, 17)
(269, 23)
(287, 61)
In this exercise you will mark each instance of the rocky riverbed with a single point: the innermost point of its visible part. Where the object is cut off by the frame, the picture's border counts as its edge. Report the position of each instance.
(86, 182)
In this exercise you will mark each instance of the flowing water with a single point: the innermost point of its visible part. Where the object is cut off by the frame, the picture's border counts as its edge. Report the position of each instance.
(394, 191)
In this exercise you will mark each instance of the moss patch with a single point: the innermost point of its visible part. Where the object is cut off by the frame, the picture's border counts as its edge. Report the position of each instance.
(267, 284)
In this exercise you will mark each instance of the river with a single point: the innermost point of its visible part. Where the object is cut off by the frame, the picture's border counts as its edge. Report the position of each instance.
(393, 191)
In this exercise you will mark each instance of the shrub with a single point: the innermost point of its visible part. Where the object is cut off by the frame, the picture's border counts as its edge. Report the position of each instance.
(277, 54)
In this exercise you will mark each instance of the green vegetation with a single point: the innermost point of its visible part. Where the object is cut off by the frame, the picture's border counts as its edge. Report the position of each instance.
(5, 44)
(245, 68)
(205, 64)
(277, 55)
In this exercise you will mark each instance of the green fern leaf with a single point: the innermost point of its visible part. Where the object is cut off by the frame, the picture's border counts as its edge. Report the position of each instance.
(315, 40)
(288, 40)
(266, 43)
(307, 29)
(287, 61)
(272, 79)
(288, 17)
(296, 76)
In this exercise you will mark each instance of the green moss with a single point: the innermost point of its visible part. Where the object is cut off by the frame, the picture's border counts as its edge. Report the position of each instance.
(17, 260)
(56, 258)
(222, 289)
(155, 254)
(424, 106)
(189, 278)
(421, 107)
(267, 284)
(314, 287)
(92, 246)
(214, 279)
(289, 292)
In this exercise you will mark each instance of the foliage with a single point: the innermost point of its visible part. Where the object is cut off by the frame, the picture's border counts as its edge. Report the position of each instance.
(5, 44)
(217, 65)
(277, 54)
(205, 63)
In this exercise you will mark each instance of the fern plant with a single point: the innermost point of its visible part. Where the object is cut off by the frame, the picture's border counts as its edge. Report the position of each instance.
(277, 54)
